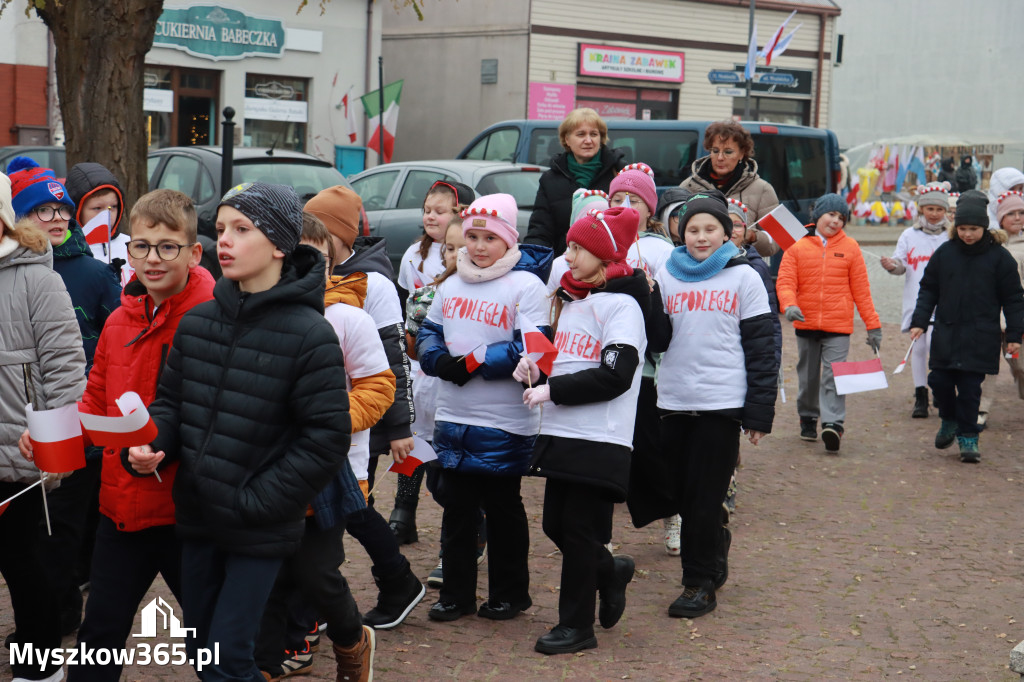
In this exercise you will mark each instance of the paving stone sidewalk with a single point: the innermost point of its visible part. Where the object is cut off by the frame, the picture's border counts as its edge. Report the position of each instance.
(890, 561)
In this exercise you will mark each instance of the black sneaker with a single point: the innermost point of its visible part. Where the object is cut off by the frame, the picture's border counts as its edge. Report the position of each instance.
(831, 434)
(808, 429)
(292, 663)
(694, 602)
(436, 577)
(397, 596)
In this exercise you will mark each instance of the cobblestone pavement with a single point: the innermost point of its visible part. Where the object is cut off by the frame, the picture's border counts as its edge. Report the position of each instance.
(890, 561)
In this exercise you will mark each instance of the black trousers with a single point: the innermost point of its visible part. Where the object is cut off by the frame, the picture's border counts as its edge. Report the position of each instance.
(123, 569)
(36, 618)
(959, 395)
(310, 575)
(508, 537)
(578, 519)
(703, 449)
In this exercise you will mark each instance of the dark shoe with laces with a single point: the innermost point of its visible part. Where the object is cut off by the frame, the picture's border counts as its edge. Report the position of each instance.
(613, 596)
(566, 640)
(355, 663)
(503, 610)
(808, 429)
(946, 434)
(693, 602)
(831, 435)
(448, 611)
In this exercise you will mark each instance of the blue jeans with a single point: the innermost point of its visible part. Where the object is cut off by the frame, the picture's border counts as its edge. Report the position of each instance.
(223, 596)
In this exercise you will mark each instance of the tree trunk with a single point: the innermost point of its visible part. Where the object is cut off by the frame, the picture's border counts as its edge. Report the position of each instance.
(101, 55)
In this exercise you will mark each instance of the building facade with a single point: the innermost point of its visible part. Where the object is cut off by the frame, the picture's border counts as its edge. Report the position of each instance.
(471, 64)
(284, 74)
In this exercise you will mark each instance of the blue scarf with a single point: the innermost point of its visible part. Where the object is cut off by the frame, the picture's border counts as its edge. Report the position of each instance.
(686, 268)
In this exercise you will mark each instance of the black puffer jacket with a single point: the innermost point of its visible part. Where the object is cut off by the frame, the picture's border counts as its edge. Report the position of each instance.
(549, 221)
(252, 401)
(966, 286)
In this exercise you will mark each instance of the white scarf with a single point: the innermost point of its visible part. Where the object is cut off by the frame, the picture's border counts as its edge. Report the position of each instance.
(471, 273)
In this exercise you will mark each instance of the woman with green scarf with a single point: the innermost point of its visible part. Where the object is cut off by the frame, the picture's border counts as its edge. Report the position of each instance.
(586, 162)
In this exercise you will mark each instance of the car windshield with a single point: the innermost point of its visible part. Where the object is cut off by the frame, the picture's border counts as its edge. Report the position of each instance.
(306, 178)
(520, 184)
(795, 166)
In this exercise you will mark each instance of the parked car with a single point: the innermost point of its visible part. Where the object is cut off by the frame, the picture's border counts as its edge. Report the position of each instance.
(52, 157)
(801, 163)
(393, 194)
(196, 172)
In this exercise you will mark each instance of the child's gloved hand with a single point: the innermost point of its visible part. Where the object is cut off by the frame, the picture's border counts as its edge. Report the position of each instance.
(526, 371)
(535, 396)
(450, 369)
(875, 339)
(793, 314)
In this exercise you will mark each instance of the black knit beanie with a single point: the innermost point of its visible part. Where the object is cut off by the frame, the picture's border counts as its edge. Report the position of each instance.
(706, 201)
(972, 209)
(274, 210)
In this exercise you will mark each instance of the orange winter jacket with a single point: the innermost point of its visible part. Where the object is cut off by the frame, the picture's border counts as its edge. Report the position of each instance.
(825, 281)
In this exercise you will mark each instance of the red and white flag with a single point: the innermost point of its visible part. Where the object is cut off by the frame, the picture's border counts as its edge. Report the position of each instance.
(535, 345)
(134, 427)
(421, 454)
(783, 226)
(97, 230)
(350, 115)
(475, 358)
(771, 46)
(417, 279)
(56, 436)
(854, 377)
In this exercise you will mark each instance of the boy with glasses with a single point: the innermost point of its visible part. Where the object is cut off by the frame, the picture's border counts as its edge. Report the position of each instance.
(135, 538)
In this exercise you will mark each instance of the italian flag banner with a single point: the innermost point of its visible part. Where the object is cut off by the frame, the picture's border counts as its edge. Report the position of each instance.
(383, 141)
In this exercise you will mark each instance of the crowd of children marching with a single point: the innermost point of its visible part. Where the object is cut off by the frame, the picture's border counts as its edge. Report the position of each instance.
(275, 389)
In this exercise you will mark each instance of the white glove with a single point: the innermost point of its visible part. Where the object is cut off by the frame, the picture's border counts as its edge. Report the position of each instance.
(535, 396)
(526, 371)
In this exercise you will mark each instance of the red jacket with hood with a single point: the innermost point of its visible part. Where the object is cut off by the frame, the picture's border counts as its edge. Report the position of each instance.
(129, 357)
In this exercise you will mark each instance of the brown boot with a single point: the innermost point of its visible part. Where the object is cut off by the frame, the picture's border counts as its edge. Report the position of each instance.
(355, 663)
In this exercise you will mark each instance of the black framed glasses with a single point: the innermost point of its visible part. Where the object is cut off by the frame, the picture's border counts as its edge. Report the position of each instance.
(46, 213)
(139, 249)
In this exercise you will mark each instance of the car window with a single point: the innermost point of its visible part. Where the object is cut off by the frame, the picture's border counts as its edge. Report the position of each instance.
(669, 153)
(544, 146)
(151, 165)
(520, 184)
(180, 174)
(373, 189)
(207, 189)
(795, 166)
(414, 189)
(498, 146)
(306, 178)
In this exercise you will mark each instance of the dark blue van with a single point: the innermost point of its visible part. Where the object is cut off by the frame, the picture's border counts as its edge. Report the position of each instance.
(801, 163)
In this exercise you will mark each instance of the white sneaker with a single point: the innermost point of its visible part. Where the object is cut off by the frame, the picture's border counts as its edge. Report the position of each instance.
(672, 524)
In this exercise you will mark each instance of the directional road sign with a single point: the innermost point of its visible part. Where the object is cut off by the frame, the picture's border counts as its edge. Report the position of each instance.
(769, 78)
(731, 92)
(720, 76)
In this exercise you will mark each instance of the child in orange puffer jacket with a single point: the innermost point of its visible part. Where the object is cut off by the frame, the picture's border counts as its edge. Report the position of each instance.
(821, 277)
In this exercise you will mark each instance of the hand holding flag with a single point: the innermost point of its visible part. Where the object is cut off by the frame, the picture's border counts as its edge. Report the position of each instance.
(535, 344)
(421, 454)
(475, 358)
(783, 226)
(134, 427)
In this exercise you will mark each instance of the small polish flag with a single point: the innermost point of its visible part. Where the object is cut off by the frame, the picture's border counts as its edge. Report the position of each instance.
(56, 436)
(421, 454)
(417, 281)
(475, 358)
(854, 377)
(536, 345)
(134, 427)
(783, 226)
(97, 230)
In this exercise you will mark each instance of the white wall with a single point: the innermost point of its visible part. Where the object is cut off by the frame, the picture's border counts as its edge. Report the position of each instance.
(941, 67)
(22, 39)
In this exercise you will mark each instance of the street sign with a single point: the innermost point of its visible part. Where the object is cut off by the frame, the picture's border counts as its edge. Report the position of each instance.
(719, 76)
(769, 78)
(732, 92)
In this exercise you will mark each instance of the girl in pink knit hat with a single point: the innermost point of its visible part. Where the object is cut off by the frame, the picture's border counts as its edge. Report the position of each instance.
(483, 433)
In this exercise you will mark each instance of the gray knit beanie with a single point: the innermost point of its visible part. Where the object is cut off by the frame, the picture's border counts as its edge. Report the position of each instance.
(274, 210)
(827, 204)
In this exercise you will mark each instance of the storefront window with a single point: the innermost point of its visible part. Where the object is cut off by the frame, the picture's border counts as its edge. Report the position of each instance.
(275, 112)
(630, 103)
(775, 110)
(180, 106)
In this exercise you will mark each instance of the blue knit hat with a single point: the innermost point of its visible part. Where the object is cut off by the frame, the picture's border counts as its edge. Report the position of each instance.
(828, 203)
(33, 186)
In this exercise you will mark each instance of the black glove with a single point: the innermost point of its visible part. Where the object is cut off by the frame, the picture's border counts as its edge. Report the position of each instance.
(450, 369)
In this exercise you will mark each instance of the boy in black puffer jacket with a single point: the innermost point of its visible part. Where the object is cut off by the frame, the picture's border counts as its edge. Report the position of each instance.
(252, 402)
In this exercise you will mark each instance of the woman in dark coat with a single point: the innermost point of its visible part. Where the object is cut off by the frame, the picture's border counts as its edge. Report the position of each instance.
(587, 162)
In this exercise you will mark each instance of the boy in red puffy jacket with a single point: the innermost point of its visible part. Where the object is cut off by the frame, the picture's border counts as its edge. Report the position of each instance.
(821, 278)
(135, 539)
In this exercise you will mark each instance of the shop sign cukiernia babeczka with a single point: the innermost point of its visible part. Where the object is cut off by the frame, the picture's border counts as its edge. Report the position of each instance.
(214, 32)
